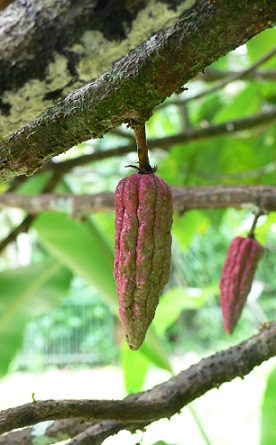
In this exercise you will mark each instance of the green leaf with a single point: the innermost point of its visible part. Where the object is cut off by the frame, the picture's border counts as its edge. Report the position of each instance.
(268, 430)
(34, 184)
(261, 45)
(82, 247)
(154, 350)
(176, 300)
(185, 227)
(244, 104)
(25, 292)
(134, 361)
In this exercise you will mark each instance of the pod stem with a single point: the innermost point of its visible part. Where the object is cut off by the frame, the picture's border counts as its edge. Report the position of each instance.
(257, 215)
(142, 149)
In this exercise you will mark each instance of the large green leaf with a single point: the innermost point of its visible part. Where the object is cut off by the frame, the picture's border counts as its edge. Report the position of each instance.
(154, 350)
(135, 366)
(268, 430)
(244, 104)
(185, 227)
(25, 292)
(261, 45)
(83, 248)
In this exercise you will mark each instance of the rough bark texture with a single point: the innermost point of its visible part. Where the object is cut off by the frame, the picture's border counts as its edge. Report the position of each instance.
(164, 400)
(129, 91)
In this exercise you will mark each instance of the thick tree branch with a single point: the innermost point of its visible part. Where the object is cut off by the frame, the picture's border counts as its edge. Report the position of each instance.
(163, 400)
(185, 198)
(137, 83)
(265, 119)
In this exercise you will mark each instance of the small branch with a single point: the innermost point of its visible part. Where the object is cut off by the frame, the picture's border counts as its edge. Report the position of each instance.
(28, 220)
(254, 223)
(163, 400)
(96, 434)
(212, 75)
(50, 432)
(142, 148)
(185, 198)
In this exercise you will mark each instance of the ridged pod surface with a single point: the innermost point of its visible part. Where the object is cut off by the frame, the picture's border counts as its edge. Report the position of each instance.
(236, 279)
(143, 221)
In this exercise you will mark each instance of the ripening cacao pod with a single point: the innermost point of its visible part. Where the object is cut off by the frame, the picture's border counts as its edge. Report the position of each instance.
(237, 277)
(143, 220)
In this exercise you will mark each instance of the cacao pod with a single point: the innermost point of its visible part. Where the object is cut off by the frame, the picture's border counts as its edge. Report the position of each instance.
(143, 220)
(237, 277)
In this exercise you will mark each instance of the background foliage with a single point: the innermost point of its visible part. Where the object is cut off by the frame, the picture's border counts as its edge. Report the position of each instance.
(62, 257)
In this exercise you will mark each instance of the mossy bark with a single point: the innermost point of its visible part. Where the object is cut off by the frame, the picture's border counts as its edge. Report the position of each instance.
(138, 82)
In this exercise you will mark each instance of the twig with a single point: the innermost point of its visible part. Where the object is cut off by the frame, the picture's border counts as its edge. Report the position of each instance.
(50, 432)
(212, 75)
(185, 198)
(163, 400)
(256, 217)
(142, 148)
(233, 77)
(28, 220)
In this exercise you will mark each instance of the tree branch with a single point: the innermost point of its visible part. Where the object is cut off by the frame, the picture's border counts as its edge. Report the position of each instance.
(163, 400)
(50, 432)
(265, 118)
(137, 83)
(185, 198)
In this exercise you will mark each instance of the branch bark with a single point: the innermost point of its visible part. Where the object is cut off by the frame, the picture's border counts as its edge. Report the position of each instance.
(137, 83)
(163, 400)
(264, 119)
(185, 198)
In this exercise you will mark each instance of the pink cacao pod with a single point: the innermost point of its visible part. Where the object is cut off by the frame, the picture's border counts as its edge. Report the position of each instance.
(143, 220)
(237, 277)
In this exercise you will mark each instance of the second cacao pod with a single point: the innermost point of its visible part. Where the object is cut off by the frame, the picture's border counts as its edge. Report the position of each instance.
(236, 279)
(143, 220)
